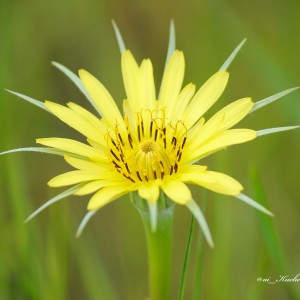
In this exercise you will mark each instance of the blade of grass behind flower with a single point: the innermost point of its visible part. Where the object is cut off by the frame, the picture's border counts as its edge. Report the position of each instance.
(219, 278)
(23, 241)
(198, 276)
(20, 275)
(56, 251)
(273, 247)
(186, 260)
(94, 278)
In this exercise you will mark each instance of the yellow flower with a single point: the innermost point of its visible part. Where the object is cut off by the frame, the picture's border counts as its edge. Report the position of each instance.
(156, 144)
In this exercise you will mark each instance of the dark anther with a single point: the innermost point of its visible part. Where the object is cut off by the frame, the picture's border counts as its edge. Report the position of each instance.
(138, 175)
(116, 157)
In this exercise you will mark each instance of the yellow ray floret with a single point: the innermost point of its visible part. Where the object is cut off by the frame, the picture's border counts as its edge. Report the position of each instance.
(207, 95)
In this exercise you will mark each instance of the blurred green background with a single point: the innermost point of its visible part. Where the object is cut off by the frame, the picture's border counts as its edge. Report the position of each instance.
(42, 259)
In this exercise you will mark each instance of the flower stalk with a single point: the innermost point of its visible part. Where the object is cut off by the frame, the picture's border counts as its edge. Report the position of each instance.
(159, 244)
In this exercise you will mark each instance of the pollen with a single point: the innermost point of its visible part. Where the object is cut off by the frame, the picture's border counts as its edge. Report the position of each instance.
(150, 148)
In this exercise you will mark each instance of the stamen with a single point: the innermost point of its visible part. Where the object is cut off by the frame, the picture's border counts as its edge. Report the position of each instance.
(179, 157)
(116, 165)
(113, 142)
(153, 152)
(142, 125)
(128, 177)
(139, 133)
(129, 140)
(120, 138)
(126, 165)
(155, 136)
(138, 175)
(176, 167)
(174, 141)
(151, 126)
(115, 156)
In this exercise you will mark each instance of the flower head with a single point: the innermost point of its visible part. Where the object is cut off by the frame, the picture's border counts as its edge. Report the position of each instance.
(153, 145)
(156, 143)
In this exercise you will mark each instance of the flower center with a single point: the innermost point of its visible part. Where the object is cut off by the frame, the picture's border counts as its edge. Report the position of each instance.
(149, 148)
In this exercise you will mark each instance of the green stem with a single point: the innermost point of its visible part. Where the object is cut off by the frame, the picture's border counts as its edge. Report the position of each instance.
(186, 261)
(159, 245)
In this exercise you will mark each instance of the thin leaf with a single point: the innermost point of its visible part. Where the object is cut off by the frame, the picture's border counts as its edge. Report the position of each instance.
(43, 150)
(253, 203)
(84, 222)
(171, 45)
(259, 104)
(194, 208)
(35, 102)
(232, 55)
(76, 80)
(267, 226)
(121, 44)
(60, 196)
(172, 41)
(186, 260)
(274, 130)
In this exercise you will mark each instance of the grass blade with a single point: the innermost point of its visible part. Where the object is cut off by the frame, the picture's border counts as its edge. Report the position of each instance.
(270, 238)
(198, 277)
(186, 260)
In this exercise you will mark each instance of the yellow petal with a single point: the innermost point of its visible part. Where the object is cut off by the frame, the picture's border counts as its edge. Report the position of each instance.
(73, 177)
(72, 147)
(172, 81)
(87, 165)
(102, 98)
(206, 96)
(228, 116)
(191, 169)
(87, 115)
(176, 191)
(106, 195)
(130, 118)
(100, 125)
(149, 192)
(221, 121)
(131, 79)
(148, 96)
(233, 113)
(183, 99)
(217, 182)
(218, 142)
(91, 187)
(74, 120)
